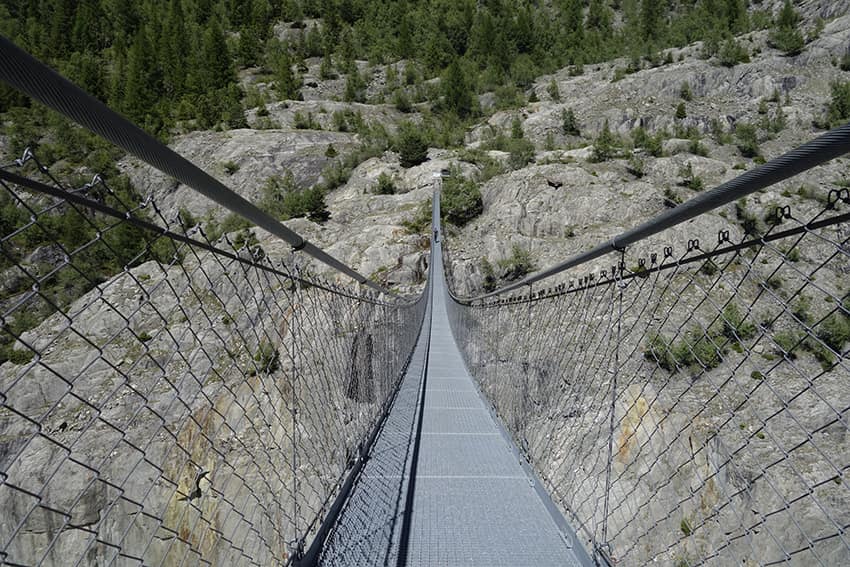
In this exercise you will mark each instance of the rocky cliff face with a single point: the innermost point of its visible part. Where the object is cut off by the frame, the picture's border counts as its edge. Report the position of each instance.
(595, 201)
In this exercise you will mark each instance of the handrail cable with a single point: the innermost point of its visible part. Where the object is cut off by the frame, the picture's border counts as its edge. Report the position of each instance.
(27, 74)
(76, 198)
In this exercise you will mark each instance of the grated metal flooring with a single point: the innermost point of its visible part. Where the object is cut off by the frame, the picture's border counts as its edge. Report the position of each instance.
(473, 504)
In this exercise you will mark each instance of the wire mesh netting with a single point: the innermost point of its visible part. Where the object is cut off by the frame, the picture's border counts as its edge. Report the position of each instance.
(169, 396)
(689, 406)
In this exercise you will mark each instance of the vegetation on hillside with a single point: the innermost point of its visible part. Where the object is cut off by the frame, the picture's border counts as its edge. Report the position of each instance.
(173, 64)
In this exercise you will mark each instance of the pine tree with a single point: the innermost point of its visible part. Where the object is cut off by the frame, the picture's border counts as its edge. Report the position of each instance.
(456, 90)
(218, 68)
(785, 35)
(139, 84)
(569, 123)
(174, 50)
(652, 20)
(249, 46)
(411, 146)
(286, 83)
(605, 145)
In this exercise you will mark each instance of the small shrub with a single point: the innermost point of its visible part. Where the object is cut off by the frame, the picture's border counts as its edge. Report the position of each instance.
(838, 111)
(671, 199)
(569, 123)
(489, 275)
(15, 356)
(402, 102)
(652, 144)
(460, 200)
(636, 166)
(734, 326)
(411, 146)
(822, 354)
(421, 220)
(835, 331)
(732, 52)
(230, 167)
(266, 359)
(698, 350)
(305, 122)
(800, 309)
(658, 350)
(681, 112)
(689, 179)
(719, 133)
(283, 199)
(385, 185)
(553, 91)
(231, 223)
(775, 122)
(749, 222)
(786, 36)
(747, 139)
(787, 342)
(518, 264)
(605, 146)
(697, 148)
(685, 91)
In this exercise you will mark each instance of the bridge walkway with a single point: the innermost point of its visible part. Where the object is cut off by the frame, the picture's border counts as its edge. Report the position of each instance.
(470, 501)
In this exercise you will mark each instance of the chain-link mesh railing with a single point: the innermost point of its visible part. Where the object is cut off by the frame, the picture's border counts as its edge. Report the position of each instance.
(688, 406)
(167, 399)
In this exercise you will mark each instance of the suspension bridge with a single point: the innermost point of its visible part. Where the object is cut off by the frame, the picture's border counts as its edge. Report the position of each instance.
(649, 401)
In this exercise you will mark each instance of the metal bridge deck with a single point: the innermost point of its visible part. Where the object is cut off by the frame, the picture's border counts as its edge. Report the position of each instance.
(470, 502)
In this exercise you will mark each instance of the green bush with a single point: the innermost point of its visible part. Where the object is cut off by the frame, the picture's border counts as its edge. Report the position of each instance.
(747, 139)
(553, 91)
(734, 326)
(230, 167)
(15, 356)
(521, 150)
(385, 185)
(421, 220)
(489, 275)
(689, 179)
(283, 199)
(838, 111)
(518, 264)
(606, 144)
(652, 144)
(411, 145)
(731, 53)
(835, 329)
(786, 36)
(658, 350)
(460, 199)
(697, 350)
(569, 123)
(636, 166)
(266, 359)
(787, 342)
